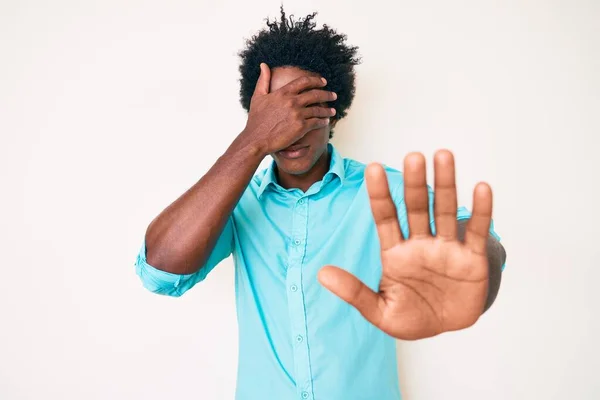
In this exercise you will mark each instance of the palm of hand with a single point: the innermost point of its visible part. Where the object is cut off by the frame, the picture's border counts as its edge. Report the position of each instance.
(430, 284)
(441, 287)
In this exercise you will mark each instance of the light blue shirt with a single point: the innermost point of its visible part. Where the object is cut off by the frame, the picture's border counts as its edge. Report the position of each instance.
(296, 339)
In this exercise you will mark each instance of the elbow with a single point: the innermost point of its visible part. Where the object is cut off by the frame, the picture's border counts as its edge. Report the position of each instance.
(155, 259)
(163, 258)
(170, 258)
(153, 251)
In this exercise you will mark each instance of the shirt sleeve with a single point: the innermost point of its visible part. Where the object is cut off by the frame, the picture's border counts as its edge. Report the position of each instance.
(462, 213)
(166, 283)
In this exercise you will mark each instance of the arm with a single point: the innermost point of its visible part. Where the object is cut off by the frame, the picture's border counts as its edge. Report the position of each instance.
(181, 239)
(496, 258)
(163, 264)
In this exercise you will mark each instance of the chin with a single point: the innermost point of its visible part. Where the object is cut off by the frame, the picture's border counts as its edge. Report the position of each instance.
(294, 167)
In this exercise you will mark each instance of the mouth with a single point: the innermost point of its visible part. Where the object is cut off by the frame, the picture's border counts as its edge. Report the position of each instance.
(294, 151)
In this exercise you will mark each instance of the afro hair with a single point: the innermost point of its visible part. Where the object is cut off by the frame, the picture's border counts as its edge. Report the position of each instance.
(290, 43)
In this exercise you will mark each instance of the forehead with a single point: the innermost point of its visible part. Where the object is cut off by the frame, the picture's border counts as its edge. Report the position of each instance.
(281, 76)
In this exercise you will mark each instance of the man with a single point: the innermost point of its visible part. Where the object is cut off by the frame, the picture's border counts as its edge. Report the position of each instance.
(407, 267)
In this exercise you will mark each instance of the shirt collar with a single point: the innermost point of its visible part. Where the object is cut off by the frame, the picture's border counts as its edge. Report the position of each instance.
(336, 168)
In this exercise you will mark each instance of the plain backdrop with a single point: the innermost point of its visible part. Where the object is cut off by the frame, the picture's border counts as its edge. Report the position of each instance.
(109, 110)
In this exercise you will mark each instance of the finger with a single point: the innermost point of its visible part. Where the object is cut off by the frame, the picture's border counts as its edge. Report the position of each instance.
(264, 80)
(318, 112)
(382, 207)
(445, 204)
(478, 227)
(303, 83)
(315, 123)
(315, 96)
(416, 195)
(350, 289)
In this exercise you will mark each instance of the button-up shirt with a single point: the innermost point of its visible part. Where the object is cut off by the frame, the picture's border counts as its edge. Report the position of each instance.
(296, 339)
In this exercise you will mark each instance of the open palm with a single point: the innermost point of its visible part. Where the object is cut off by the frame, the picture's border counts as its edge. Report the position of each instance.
(429, 284)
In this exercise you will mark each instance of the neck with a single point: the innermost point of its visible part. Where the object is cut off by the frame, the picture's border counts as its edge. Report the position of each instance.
(306, 180)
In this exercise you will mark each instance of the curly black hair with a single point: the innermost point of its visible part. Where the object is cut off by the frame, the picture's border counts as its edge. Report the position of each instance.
(298, 44)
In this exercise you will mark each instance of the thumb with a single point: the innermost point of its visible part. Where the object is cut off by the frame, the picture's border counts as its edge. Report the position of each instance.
(264, 80)
(350, 289)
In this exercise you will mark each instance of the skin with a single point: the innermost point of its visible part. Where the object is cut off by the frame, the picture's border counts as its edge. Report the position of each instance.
(180, 239)
(430, 284)
(310, 168)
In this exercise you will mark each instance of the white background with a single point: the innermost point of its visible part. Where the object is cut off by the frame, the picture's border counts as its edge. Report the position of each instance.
(109, 110)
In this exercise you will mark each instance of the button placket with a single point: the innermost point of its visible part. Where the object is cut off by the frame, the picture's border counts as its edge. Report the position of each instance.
(296, 300)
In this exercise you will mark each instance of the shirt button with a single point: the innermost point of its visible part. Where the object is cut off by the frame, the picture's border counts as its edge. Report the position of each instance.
(299, 338)
(301, 201)
(293, 288)
(305, 395)
(297, 242)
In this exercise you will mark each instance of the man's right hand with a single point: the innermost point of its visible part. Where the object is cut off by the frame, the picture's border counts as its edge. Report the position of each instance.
(277, 120)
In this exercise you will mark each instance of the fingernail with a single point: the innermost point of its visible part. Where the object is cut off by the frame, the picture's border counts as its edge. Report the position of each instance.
(334, 95)
(324, 81)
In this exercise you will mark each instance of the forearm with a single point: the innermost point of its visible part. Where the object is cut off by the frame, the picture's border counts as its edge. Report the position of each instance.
(496, 259)
(181, 238)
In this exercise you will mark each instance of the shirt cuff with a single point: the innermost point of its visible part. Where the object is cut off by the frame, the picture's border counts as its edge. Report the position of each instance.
(158, 281)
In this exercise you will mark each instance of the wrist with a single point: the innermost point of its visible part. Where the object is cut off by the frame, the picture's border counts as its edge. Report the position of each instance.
(249, 142)
(246, 144)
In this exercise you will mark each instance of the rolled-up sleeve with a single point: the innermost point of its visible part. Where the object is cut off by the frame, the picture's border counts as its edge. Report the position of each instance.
(166, 283)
